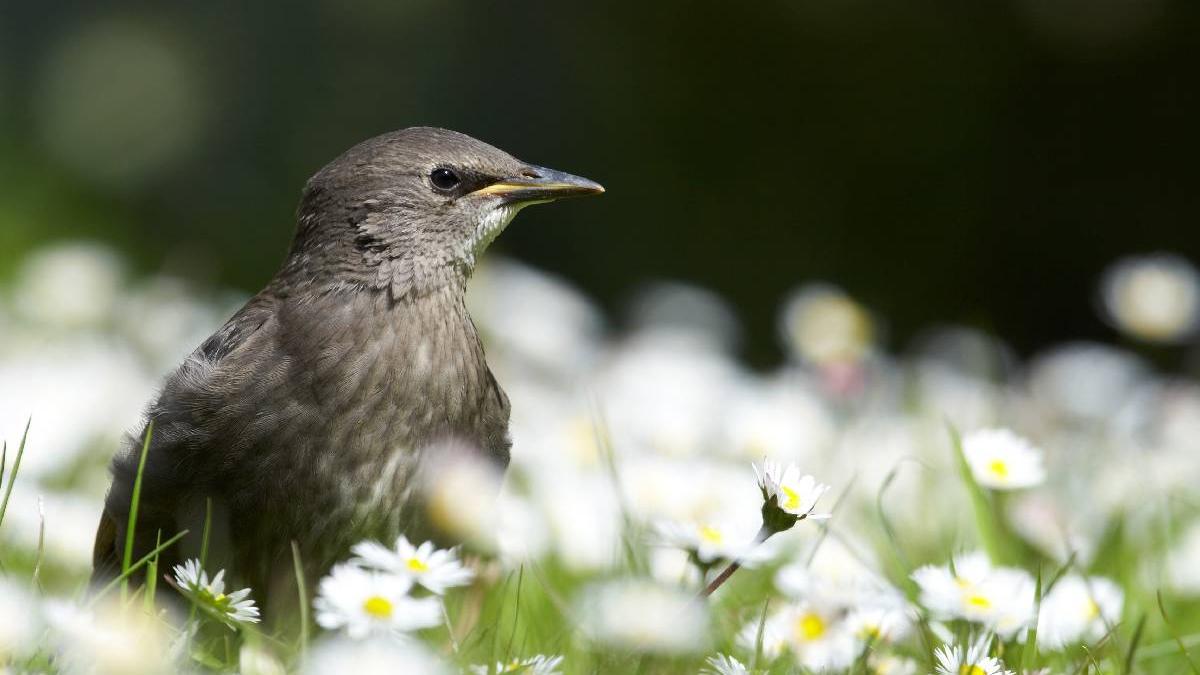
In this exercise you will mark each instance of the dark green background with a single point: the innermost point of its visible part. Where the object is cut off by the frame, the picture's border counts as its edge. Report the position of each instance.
(957, 161)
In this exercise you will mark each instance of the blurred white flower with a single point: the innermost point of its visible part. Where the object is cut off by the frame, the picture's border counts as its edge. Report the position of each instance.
(772, 632)
(522, 533)
(823, 325)
(63, 514)
(890, 664)
(817, 636)
(584, 514)
(235, 607)
(1002, 460)
(666, 393)
(109, 639)
(166, 320)
(839, 573)
(1153, 298)
(376, 656)
(880, 623)
(531, 316)
(785, 490)
(971, 659)
(363, 603)
(460, 487)
(533, 665)
(645, 617)
(82, 393)
(255, 660)
(69, 285)
(18, 622)
(684, 309)
(780, 419)
(1056, 525)
(1083, 381)
(1078, 609)
(709, 541)
(723, 664)
(434, 569)
(1000, 598)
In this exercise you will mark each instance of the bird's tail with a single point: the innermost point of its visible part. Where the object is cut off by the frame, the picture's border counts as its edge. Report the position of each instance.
(106, 564)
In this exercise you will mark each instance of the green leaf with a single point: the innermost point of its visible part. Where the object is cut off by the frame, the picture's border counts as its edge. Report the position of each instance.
(987, 520)
(12, 476)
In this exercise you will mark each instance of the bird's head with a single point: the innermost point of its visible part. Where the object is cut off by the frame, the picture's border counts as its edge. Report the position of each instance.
(418, 206)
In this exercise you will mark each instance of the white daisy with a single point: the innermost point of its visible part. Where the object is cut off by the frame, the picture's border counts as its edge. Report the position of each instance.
(1078, 609)
(1001, 598)
(969, 660)
(787, 495)
(709, 541)
(364, 602)
(534, 665)
(1002, 460)
(817, 636)
(434, 569)
(236, 607)
(723, 664)
(879, 623)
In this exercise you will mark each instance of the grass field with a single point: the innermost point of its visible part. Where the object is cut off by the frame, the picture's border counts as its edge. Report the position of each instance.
(985, 513)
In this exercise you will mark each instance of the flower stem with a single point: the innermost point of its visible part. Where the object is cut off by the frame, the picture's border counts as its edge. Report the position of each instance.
(764, 533)
(721, 579)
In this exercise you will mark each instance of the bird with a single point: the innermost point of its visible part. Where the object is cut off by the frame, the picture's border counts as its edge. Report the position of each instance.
(307, 418)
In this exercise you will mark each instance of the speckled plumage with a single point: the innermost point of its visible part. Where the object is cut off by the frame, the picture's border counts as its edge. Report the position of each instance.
(306, 416)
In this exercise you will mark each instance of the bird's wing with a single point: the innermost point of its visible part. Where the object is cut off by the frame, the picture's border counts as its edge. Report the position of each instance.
(178, 414)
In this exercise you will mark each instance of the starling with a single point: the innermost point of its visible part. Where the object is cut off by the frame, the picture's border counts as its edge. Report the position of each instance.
(308, 415)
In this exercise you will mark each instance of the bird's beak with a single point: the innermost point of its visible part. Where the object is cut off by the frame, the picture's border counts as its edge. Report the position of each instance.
(538, 184)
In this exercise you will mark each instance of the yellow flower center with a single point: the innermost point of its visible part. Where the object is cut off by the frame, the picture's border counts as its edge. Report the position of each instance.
(378, 607)
(417, 565)
(1091, 610)
(971, 669)
(711, 535)
(978, 601)
(999, 468)
(870, 632)
(791, 500)
(810, 627)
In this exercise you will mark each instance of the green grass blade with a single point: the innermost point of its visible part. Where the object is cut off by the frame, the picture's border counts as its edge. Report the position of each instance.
(12, 476)
(203, 546)
(1175, 635)
(120, 579)
(987, 523)
(152, 576)
(302, 593)
(41, 545)
(1131, 653)
(134, 503)
(206, 532)
(1029, 651)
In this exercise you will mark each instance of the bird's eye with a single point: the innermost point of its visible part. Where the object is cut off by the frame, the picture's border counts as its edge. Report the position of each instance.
(443, 179)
